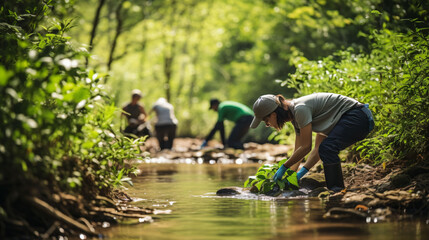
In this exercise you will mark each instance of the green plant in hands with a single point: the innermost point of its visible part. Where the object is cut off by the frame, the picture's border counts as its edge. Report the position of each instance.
(264, 183)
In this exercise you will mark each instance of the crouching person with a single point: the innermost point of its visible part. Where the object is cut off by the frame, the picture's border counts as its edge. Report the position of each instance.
(339, 122)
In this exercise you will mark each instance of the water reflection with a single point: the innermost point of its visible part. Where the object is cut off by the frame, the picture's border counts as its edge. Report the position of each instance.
(187, 193)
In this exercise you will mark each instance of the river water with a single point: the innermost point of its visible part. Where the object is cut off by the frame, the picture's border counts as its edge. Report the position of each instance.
(185, 196)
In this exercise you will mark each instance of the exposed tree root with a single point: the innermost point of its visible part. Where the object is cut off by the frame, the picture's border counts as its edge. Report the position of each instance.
(45, 216)
(49, 210)
(121, 214)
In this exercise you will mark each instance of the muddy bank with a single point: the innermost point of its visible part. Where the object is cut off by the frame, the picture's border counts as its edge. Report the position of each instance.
(373, 193)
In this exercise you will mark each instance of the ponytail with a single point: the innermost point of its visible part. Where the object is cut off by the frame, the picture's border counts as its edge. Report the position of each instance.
(283, 115)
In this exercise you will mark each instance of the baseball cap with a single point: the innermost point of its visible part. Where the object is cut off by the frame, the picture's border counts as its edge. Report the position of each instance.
(136, 92)
(213, 101)
(263, 106)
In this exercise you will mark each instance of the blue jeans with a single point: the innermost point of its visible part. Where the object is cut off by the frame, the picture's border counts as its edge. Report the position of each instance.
(237, 133)
(353, 126)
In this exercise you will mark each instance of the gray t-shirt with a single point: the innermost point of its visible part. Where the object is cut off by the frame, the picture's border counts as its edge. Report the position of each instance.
(165, 113)
(322, 110)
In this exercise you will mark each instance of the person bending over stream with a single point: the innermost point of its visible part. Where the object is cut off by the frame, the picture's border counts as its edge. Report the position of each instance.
(339, 121)
(236, 112)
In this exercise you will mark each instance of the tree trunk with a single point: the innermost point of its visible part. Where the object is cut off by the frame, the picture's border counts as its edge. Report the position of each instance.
(118, 31)
(94, 29)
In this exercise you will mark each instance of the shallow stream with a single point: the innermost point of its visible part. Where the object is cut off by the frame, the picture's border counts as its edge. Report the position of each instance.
(185, 195)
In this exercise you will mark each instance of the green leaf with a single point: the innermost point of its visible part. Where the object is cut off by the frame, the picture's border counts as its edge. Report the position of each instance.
(246, 183)
(260, 177)
(259, 184)
(88, 144)
(127, 180)
(282, 162)
(281, 184)
(24, 166)
(292, 179)
(4, 75)
(267, 186)
(253, 182)
(80, 94)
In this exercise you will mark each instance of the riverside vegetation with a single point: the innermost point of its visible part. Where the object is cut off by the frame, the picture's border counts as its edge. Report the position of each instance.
(60, 157)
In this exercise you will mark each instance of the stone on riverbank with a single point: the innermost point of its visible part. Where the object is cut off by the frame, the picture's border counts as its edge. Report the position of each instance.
(312, 181)
(230, 191)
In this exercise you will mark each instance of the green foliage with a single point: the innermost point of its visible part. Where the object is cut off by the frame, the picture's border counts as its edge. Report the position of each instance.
(55, 115)
(284, 135)
(233, 50)
(263, 179)
(393, 79)
(108, 155)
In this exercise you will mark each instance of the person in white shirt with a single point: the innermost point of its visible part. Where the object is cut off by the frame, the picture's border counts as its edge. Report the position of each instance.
(166, 124)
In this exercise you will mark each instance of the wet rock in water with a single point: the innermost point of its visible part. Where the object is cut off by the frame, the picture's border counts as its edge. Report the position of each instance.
(317, 191)
(275, 191)
(227, 191)
(292, 193)
(312, 181)
(345, 213)
(254, 189)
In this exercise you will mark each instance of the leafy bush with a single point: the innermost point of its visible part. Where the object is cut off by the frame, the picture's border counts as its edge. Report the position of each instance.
(264, 183)
(55, 116)
(109, 156)
(393, 79)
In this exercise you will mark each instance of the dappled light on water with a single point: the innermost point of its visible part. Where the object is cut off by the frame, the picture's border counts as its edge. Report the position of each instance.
(187, 193)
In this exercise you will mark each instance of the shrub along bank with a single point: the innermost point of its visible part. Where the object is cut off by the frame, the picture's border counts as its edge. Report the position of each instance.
(60, 158)
(393, 78)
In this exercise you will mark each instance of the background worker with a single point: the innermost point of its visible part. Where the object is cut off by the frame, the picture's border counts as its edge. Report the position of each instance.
(236, 112)
(166, 124)
(136, 116)
(339, 121)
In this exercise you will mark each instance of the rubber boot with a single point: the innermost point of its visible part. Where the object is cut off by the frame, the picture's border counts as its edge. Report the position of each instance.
(334, 177)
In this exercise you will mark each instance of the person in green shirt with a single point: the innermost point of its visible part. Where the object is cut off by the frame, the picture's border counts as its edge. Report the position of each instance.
(236, 112)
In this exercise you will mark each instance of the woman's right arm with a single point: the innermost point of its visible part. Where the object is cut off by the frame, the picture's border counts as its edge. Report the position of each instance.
(302, 148)
(314, 157)
(297, 144)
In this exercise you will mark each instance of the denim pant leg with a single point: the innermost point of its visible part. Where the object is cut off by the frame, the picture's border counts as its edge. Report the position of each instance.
(171, 135)
(352, 127)
(237, 133)
(160, 134)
